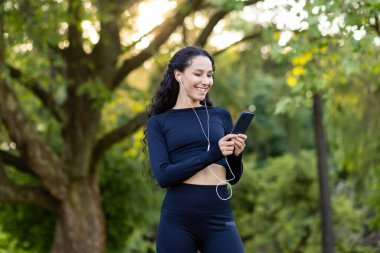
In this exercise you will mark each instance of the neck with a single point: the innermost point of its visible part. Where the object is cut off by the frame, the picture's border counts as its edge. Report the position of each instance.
(183, 102)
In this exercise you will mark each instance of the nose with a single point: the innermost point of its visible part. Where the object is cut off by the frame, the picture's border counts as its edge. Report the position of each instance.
(206, 80)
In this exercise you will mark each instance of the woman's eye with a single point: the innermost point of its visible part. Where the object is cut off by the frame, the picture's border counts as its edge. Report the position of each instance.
(208, 75)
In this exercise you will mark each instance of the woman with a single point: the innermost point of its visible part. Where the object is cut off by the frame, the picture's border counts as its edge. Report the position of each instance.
(194, 156)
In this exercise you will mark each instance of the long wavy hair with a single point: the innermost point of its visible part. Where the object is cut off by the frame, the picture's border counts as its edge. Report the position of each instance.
(167, 92)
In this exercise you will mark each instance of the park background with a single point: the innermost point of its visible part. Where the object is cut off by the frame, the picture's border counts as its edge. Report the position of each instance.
(75, 80)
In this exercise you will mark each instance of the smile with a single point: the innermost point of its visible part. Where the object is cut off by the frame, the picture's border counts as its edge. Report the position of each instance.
(201, 89)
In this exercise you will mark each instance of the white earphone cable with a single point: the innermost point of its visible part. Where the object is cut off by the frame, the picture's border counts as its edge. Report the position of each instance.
(208, 148)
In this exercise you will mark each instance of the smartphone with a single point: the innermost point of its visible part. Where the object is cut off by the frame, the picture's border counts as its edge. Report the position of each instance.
(243, 122)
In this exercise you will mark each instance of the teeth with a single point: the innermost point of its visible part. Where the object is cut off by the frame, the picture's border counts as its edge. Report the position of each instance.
(200, 89)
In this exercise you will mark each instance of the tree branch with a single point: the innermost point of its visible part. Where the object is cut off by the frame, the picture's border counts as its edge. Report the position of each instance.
(248, 37)
(20, 194)
(108, 49)
(303, 240)
(184, 34)
(116, 7)
(134, 43)
(214, 20)
(164, 32)
(74, 31)
(118, 134)
(46, 98)
(376, 26)
(250, 2)
(206, 32)
(16, 162)
(2, 32)
(35, 153)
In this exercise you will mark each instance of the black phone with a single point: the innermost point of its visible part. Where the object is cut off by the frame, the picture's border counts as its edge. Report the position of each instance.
(243, 122)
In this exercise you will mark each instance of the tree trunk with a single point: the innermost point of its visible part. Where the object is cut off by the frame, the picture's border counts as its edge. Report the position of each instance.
(80, 226)
(321, 149)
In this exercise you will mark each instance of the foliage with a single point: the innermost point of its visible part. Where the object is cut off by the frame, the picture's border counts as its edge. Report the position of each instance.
(276, 207)
(129, 200)
(248, 80)
(276, 202)
(25, 229)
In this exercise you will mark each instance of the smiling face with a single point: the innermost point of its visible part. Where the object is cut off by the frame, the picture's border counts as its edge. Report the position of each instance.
(196, 80)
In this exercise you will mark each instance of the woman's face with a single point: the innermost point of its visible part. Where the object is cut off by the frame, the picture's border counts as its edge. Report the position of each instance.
(197, 79)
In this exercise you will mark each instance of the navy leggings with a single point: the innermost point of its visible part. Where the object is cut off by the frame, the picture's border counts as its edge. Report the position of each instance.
(194, 218)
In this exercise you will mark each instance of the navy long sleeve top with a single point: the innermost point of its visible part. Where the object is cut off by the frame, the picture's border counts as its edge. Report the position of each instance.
(178, 148)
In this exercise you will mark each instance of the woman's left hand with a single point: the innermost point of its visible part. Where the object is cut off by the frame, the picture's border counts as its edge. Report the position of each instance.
(239, 144)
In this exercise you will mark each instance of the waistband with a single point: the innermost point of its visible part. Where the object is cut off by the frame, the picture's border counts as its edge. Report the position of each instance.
(197, 198)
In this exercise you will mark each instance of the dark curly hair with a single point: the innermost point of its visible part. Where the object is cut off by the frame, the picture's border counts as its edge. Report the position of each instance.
(167, 92)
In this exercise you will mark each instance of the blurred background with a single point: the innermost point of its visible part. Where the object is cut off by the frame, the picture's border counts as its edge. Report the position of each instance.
(76, 77)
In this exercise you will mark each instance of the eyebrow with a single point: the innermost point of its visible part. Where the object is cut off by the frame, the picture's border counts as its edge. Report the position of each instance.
(201, 70)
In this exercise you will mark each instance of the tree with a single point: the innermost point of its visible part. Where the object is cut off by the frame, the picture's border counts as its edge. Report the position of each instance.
(73, 78)
(328, 29)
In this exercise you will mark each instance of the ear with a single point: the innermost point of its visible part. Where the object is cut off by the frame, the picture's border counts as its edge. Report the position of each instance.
(177, 75)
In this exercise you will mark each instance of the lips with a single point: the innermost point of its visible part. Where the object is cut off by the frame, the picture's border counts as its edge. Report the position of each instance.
(201, 89)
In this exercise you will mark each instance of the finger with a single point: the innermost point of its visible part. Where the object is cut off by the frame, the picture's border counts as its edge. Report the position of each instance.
(242, 136)
(230, 143)
(237, 153)
(239, 140)
(239, 146)
(225, 140)
(229, 136)
(227, 143)
(228, 148)
(227, 152)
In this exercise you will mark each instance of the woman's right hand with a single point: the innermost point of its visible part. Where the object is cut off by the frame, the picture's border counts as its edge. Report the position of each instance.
(226, 144)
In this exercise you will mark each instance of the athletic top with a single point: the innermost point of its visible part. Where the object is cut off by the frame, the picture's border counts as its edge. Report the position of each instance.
(178, 148)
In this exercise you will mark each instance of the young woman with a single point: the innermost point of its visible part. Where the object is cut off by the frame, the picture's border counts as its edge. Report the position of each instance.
(194, 156)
